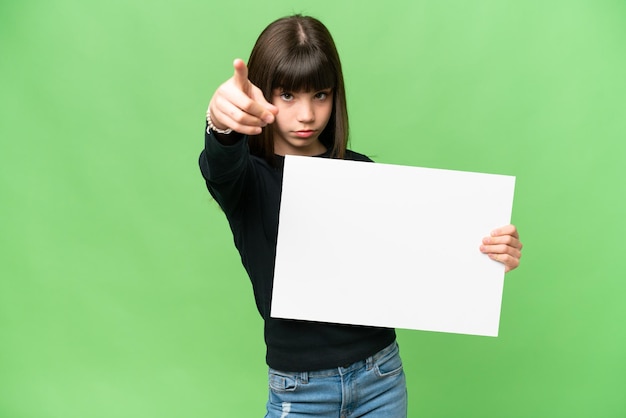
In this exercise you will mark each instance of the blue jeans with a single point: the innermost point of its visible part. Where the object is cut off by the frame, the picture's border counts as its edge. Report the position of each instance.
(374, 387)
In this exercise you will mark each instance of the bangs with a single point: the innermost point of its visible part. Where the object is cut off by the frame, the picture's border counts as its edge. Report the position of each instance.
(304, 69)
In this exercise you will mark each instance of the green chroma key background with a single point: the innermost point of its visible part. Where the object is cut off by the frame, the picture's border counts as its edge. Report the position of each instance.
(121, 294)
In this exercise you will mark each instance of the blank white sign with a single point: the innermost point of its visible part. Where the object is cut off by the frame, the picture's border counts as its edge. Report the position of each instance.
(388, 245)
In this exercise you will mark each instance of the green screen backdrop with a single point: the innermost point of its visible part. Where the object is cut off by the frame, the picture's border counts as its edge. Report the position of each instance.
(121, 293)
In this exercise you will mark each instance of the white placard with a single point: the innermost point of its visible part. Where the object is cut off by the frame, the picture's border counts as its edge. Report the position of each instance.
(387, 245)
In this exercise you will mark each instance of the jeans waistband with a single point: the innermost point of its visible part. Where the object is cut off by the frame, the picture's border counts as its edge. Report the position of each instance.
(342, 370)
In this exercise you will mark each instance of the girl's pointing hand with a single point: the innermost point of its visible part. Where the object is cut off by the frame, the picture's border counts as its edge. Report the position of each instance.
(239, 105)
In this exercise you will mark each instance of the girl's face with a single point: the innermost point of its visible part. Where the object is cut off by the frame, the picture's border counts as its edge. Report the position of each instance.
(301, 118)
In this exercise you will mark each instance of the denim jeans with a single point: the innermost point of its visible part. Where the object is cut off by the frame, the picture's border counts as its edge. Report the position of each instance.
(372, 388)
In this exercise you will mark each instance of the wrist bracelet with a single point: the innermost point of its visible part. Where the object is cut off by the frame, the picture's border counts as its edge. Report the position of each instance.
(213, 128)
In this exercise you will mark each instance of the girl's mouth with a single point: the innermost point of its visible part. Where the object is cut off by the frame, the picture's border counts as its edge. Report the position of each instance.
(305, 133)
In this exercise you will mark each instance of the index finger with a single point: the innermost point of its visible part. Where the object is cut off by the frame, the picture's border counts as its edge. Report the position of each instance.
(505, 230)
(240, 77)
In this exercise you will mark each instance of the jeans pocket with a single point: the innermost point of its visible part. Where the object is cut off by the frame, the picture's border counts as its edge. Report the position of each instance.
(390, 364)
(281, 382)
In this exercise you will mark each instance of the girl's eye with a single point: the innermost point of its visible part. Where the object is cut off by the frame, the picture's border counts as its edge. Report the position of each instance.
(286, 96)
(322, 95)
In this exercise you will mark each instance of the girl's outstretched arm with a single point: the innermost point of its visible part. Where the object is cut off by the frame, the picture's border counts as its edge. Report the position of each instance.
(239, 105)
(503, 245)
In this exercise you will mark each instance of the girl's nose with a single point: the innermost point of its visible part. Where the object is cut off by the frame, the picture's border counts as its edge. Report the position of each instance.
(306, 113)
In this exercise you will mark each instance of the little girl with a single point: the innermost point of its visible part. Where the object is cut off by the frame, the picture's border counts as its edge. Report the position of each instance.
(290, 99)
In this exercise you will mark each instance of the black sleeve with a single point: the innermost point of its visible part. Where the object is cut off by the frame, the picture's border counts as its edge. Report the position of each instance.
(224, 168)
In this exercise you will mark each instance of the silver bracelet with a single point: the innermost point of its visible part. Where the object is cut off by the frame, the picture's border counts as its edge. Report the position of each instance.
(213, 128)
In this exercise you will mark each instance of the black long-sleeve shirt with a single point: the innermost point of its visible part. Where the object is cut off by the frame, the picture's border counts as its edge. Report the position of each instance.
(248, 189)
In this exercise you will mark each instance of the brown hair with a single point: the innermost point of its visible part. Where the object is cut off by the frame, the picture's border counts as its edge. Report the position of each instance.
(297, 53)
